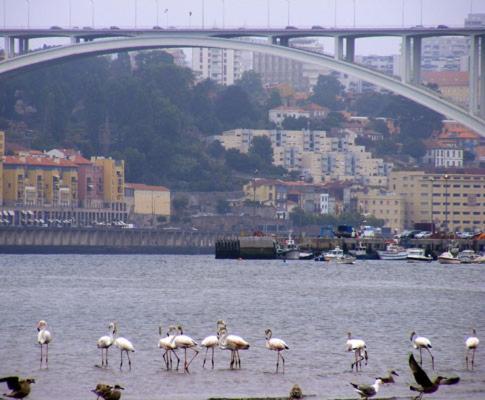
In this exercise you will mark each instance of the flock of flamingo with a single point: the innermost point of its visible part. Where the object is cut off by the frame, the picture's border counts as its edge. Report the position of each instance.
(175, 339)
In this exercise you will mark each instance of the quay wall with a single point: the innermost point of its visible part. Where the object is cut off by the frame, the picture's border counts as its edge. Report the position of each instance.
(100, 240)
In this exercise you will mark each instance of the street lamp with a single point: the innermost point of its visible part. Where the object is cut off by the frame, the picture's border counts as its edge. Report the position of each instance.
(92, 13)
(70, 13)
(136, 13)
(166, 16)
(421, 12)
(203, 14)
(354, 13)
(288, 12)
(446, 177)
(431, 179)
(223, 14)
(157, 5)
(28, 13)
(268, 12)
(4, 13)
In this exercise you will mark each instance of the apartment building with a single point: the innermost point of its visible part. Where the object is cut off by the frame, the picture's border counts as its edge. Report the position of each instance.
(384, 205)
(113, 181)
(315, 154)
(454, 199)
(220, 65)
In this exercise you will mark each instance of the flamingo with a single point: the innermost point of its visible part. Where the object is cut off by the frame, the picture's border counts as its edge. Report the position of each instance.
(211, 342)
(277, 345)
(234, 344)
(166, 343)
(125, 346)
(105, 342)
(357, 346)
(367, 391)
(44, 337)
(185, 342)
(420, 342)
(471, 345)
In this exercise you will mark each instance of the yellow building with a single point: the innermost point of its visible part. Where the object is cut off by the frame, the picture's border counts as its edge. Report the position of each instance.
(39, 181)
(147, 199)
(113, 178)
(262, 191)
(453, 199)
(383, 205)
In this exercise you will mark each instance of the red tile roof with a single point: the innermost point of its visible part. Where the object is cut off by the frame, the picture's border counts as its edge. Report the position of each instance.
(38, 162)
(79, 160)
(142, 186)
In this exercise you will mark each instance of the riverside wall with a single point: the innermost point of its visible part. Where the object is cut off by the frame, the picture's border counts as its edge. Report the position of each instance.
(104, 241)
(50, 240)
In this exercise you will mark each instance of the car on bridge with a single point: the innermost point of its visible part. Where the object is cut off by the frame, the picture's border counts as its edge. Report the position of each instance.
(289, 27)
(55, 27)
(157, 28)
(317, 27)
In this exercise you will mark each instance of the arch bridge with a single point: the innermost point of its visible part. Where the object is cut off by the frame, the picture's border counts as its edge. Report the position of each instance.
(408, 85)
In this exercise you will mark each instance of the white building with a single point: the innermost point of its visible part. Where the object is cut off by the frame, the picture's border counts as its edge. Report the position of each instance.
(312, 111)
(221, 65)
(444, 156)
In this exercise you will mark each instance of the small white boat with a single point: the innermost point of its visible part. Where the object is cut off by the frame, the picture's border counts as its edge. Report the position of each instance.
(333, 254)
(418, 255)
(393, 252)
(345, 259)
(448, 258)
(467, 257)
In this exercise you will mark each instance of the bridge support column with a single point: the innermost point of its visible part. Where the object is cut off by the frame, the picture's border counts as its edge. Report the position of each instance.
(473, 70)
(406, 59)
(482, 76)
(349, 49)
(9, 47)
(273, 40)
(339, 48)
(23, 45)
(416, 60)
(75, 39)
(284, 41)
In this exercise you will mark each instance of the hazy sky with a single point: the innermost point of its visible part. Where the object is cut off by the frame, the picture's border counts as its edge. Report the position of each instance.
(254, 13)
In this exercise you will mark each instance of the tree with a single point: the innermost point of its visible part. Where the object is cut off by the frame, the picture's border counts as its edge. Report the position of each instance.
(261, 151)
(234, 108)
(327, 91)
(274, 99)
(251, 83)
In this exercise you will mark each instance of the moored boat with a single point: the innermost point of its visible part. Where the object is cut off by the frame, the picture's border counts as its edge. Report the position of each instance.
(361, 252)
(334, 254)
(345, 259)
(467, 257)
(418, 255)
(448, 258)
(393, 252)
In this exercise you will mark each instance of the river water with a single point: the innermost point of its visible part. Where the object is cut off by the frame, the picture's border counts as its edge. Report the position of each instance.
(310, 305)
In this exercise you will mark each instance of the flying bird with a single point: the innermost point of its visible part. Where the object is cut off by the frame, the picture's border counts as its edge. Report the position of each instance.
(277, 345)
(44, 337)
(367, 391)
(425, 384)
(125, 346)
(20, 388)
(420, 342)
(471, 345)
(105, 342)
(357, 346)
(234, 344)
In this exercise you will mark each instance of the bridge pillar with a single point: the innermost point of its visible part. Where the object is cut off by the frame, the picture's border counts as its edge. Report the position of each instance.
(284, 41)
(339, 48)
(273, 40)
(9, 47)
(406, 59)
(473, 70)
(349, 49)
(416, 60)
(482, 76)
(75, 39)
(23, 45)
